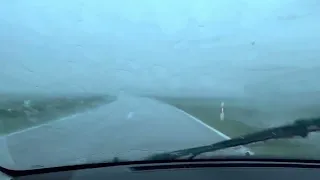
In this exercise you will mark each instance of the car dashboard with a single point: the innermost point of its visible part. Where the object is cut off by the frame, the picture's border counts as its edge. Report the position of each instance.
(186, 170)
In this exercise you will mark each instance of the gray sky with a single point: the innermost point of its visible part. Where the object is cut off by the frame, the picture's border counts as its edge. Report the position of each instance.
(203, 47)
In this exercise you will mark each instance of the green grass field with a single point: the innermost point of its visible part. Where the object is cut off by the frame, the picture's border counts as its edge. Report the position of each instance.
(21, 112)
(237, 122)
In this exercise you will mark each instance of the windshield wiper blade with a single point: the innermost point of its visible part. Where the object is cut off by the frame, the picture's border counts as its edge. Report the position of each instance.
(300, 128)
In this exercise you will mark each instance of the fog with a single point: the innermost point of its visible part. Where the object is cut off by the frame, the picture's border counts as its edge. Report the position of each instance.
(183, 47)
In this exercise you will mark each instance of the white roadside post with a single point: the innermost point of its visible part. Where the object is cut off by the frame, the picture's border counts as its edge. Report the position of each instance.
(222, 112)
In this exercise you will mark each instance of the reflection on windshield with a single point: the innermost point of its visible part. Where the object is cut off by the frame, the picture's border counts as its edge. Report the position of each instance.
(84, 82)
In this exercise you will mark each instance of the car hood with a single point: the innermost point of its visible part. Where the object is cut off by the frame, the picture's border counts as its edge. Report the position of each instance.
(129, 128)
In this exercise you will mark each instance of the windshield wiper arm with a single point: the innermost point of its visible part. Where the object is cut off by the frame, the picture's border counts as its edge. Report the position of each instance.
(301, 127)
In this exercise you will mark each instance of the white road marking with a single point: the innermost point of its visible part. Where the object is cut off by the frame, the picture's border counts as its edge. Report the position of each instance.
(44, 124)
(214, 130)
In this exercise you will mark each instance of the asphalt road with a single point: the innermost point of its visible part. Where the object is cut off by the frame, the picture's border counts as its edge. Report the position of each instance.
(129, 128)
(82, 130)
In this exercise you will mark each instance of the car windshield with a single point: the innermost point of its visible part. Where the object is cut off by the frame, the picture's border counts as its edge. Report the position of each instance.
(93, 81)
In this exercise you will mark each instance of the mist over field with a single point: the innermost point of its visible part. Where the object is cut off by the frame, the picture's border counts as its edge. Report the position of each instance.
(196, 48)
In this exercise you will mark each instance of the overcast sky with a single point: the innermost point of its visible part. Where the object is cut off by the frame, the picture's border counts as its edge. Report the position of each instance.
(203, 47)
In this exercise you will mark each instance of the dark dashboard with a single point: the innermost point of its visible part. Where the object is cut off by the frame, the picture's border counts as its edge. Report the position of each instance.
(186, 170)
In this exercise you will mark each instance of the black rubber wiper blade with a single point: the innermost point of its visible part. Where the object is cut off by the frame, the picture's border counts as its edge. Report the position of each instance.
(300, 128)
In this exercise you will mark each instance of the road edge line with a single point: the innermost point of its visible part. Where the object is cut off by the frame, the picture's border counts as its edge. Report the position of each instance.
(213, 129)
